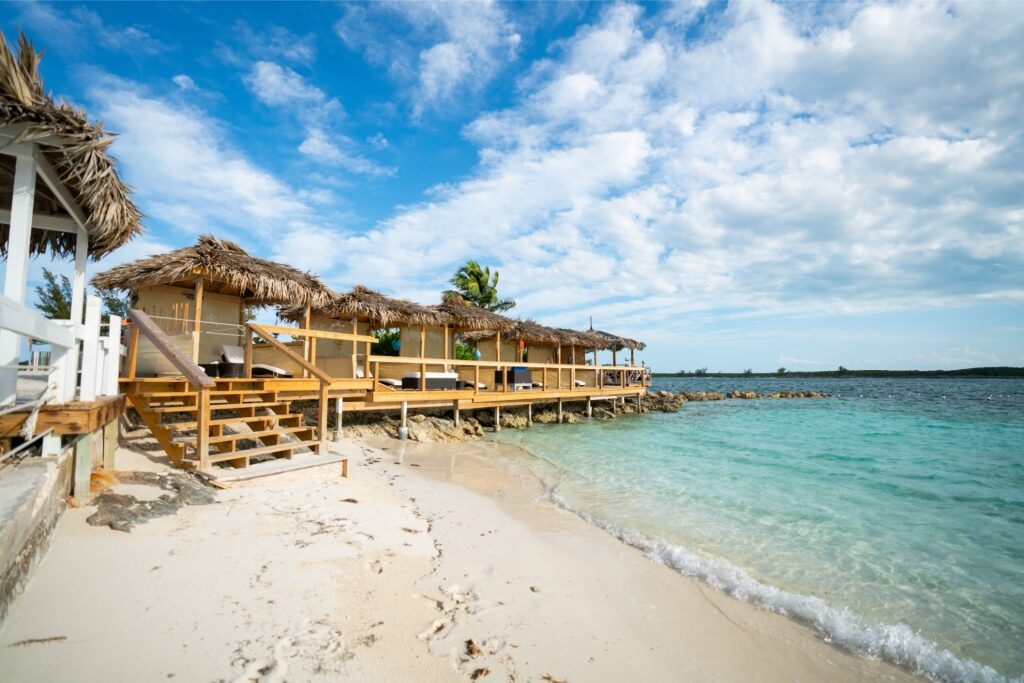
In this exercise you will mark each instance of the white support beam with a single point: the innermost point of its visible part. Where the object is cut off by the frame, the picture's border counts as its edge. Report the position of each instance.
(78, 279)
(60, 191)
(112, 365)
(15, 130)
(16, 274)
(90, 349)
(51, 223)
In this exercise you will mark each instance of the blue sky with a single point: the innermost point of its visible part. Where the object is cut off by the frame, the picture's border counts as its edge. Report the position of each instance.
(739, 184)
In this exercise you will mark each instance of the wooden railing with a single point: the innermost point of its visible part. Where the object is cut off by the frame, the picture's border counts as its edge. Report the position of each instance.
(266, 334)
(604, 375)
(200, 381)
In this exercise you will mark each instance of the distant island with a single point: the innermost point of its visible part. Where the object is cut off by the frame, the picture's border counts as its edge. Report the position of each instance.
(844, 372)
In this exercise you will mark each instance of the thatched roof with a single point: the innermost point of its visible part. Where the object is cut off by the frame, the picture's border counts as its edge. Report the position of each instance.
(80, 158)
(530, 332)
(462, 315)
(366, 305)
(223, 263)
(614, 342)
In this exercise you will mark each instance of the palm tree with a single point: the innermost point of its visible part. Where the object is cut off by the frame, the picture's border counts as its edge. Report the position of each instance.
(479, 288)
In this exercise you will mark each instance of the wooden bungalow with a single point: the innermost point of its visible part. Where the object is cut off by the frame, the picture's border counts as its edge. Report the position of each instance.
(192, 353)
(61, 195)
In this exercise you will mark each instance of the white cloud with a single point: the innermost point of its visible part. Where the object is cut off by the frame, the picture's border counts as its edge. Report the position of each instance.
(448, 50)
(319, 147)
(81, 28)
(774, 164)
(274, 84)
(184, 82)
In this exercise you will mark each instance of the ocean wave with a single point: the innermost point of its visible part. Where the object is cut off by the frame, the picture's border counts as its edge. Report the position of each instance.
(896, 643)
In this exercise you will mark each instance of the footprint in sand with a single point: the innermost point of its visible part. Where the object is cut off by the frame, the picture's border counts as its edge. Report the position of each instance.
(375, 567)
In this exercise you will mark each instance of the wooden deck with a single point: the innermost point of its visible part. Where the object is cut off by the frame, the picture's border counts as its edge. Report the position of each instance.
(76, 417)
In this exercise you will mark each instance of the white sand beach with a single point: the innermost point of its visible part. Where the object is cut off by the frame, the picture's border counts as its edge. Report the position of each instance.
(428, 564)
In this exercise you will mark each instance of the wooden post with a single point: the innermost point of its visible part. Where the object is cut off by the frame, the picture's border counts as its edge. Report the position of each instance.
(197, 323)
(572, 378)
(376, 374)
(16, 271)
(423, 354)
(339, 411)
(614, 357)
(497, 418)
(476, 379)
(203, 429)
(321, 424)
(77, 311)
(305, 340)
(82, 467)
(455, 406)
(403, 429)
(632, 358)
(133, 352)
(558, 358)
(355, 355)
(248, 353)
(559, 411)
(110, 445)
(590, 408)
(639, 403)
(529, 414)
(446, 341)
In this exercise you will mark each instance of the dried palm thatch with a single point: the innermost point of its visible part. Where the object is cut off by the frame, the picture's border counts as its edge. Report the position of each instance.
(614, 342)
(461, 315)
(256, 280)
(81, 160)
(366, 305)
(530, 332)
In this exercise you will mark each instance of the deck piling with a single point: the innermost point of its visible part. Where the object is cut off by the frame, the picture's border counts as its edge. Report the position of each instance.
(456, 412)
(403, 430)
(497, 419)
(339, 411)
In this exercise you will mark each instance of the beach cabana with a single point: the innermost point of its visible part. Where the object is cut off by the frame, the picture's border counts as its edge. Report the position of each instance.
(199, 296)
(364, 311)
(61, 195)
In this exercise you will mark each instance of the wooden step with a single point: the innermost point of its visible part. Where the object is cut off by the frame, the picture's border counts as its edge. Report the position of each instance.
(218, 406)
(259, 435)
(192, 392)
(233, 420)
(262, 450)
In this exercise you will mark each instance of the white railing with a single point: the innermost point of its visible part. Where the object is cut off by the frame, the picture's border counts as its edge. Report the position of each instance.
(100, 355)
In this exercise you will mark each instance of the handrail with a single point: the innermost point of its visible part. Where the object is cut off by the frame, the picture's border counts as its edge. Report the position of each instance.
(498, 363)
(192, 372)
(265, 334)
(320, 334)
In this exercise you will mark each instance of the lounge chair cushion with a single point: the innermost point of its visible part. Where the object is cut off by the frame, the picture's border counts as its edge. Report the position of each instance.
(232, 354)
(262, 369)
(432, 375)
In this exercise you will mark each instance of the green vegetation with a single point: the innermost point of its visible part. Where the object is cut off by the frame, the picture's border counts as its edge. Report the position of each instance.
(54, 297)
(387, 343)
(464, 350)
(479, 287)
(843, 372)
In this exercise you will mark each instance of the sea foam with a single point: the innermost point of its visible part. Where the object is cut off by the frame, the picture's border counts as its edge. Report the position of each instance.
(896, 643)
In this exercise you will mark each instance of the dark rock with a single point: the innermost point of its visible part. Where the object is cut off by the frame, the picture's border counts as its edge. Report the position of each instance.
(122, 512)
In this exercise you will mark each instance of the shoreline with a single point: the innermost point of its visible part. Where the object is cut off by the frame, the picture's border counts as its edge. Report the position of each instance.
(447, 567)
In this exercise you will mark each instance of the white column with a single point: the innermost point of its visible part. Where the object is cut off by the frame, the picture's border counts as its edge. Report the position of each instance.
(16, 275)
(403, 429)
(112, 366)
(77, 308)
(90, 349)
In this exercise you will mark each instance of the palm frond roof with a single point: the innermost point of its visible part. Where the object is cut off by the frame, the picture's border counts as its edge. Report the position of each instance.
(75, 147)
(257, 280)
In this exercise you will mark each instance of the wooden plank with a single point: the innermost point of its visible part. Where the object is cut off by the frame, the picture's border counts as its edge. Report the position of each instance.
(322, 334)
(133, 352)
(264, 333)
(192, 372)
(197, 321)
(323, 408)
(203, 430)
(263, 450)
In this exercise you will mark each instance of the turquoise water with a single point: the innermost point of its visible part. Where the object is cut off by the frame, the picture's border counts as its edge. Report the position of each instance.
(890, 517)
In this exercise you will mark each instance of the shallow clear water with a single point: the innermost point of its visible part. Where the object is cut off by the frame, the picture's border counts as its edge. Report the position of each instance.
(891, 517)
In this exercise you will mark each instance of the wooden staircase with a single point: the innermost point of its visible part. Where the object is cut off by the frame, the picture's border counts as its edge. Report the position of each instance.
(232, 423)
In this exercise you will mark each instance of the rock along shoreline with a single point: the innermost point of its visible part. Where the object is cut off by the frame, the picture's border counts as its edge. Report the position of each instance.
(436, 426)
